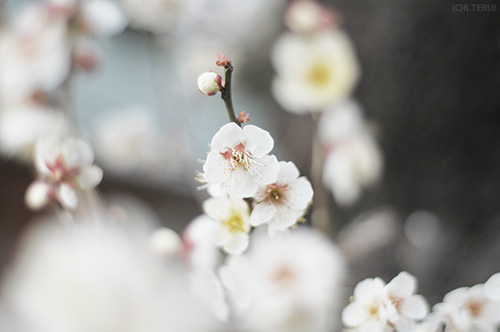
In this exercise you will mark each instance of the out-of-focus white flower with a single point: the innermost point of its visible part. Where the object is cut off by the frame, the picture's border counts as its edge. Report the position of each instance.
(102, 18)
(98, 277)
(233, 222)
(380, 307)
(306, 16)
(492, 287)
(165, 242)
(468, 309)
(65, 166)
(22, 126)
(209, 83)
(153, 15)
(288, 284)
(203, 258)
(130, 142)
(239, 160)
(35, 55)
(313, 72)
(281, 203)
(354, 160)
(208, 287)
(200, 244)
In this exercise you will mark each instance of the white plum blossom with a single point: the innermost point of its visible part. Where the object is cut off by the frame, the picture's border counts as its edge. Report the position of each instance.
(239, 160)
(287, 284)
(35, 55)
(368, 310)
(353, 159)
(64, 166)
(98, 276)
(468, 310)
(209, 83)
(281, 203)
(313, 71)
(380, 307)
(233, 222)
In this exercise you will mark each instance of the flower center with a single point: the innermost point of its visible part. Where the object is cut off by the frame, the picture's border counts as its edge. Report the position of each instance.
(234, 223)
(475, 307)
(373, 311)
(239, 157)
(319, 74)
(275, 193)
(61, 172)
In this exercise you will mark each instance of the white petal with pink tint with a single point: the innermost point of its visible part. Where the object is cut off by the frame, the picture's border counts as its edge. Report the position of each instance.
(67, 196)
(89, 177)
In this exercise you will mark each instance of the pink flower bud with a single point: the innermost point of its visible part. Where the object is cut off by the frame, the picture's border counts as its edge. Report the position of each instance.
(209, 83)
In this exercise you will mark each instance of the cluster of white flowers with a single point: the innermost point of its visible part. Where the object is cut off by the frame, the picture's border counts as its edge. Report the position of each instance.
(317, 70)
(467, 309)
(380, 307)
(40, 51)
(239, 167)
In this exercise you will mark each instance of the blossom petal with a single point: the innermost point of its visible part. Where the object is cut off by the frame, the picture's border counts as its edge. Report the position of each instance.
(267, 170)
(236, 243)
(89, 177)
(257, 141)
(216, 169)
(227, 137)
(368, 290)
(414, 307)
(300, 194)
(288, 173)
(77, 153)
(261, 214)
(240, 183)
(285, 217)
(354, 314)
(492, 287)
(37, 195)
(402, 286)
(46, 151)
(67, 196)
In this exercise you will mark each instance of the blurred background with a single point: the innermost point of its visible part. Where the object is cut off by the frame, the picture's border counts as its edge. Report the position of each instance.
(429, 87)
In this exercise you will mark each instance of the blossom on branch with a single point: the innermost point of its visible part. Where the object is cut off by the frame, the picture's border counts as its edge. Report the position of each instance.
(233, 224)
(64, 167)
(239, 160)
(281, 203)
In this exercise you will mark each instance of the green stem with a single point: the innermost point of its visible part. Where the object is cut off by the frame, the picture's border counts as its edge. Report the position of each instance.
(226, 95)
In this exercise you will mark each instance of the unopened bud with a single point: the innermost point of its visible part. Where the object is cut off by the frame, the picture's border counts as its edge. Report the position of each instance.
(209, 83)
(166, 242)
